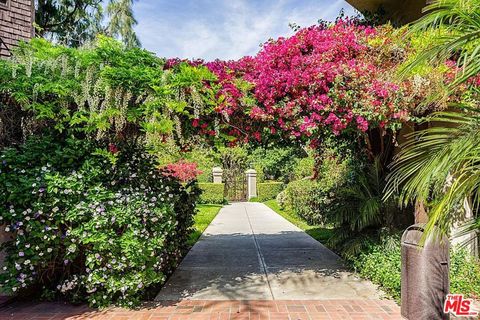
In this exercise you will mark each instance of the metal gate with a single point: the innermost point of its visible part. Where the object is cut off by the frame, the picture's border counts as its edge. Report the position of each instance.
(235, 185)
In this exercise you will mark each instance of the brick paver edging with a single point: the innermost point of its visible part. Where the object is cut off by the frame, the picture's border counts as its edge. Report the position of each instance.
(214, 310)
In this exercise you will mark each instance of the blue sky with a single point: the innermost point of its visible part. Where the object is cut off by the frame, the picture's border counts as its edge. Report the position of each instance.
(227, 29)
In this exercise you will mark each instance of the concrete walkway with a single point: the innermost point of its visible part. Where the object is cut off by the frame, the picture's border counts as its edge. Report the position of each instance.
(267, 268)
(251, 253)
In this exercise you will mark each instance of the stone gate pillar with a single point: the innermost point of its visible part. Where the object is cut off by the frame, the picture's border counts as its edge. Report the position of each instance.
(217, 173)
(251, 183)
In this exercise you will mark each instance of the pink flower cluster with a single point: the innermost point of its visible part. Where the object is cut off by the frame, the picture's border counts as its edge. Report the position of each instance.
(182, 170)
(321, 78)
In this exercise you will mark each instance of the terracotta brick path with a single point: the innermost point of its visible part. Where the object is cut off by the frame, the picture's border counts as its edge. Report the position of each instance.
(214, 310)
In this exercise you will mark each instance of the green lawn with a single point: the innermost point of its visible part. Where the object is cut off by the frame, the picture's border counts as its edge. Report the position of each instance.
(205, 215)
(319, 233)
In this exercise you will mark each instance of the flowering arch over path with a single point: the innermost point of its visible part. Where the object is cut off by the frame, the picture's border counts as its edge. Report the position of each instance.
(322, 79)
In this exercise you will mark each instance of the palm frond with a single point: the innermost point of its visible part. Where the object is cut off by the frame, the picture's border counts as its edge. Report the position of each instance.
(439, 165)
(473, 225)
(362, 213)
(458, 26)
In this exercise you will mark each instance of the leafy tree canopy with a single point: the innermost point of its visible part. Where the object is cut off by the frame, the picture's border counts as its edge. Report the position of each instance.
(76, 22)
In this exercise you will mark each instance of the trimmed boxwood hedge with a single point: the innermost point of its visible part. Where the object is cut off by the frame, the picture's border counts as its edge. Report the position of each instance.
(308, 199)
(212, 193)
(269, 190)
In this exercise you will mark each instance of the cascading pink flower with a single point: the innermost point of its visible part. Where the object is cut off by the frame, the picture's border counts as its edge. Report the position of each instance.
(362, 124)
(321, 78)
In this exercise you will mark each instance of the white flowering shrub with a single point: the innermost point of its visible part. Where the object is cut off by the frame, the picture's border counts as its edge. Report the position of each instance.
(104, 90)
(88, 223)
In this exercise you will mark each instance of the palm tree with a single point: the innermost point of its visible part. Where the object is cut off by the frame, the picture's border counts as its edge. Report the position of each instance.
(76, 22)
(122, 22)
(440, 166)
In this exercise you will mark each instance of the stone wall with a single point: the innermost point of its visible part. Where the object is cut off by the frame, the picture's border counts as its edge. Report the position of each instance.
(16, 23)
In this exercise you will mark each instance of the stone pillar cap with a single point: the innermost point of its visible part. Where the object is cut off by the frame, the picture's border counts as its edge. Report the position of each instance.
(251, 171)
(217, 169)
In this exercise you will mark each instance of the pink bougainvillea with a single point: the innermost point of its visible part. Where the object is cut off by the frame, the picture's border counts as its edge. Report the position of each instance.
(182, 170)
(323, 78)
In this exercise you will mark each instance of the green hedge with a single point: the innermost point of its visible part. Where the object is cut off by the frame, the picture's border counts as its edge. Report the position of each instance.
(307, 199)
(212, 193)
(318, 200)
(268, 190)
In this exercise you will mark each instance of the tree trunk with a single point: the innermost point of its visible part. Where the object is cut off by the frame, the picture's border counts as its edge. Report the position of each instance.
(421, 215)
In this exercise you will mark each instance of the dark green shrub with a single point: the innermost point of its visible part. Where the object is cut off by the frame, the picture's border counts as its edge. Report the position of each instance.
(347, 193)
(304, 167)
(88, 223)
(275, 163)
(212, 193)
(381, 264)
(315, 199)
(300, 198)
(360, 211)
(269, 190)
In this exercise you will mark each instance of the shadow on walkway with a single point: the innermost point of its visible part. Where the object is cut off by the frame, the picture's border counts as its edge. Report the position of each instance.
(249, 252)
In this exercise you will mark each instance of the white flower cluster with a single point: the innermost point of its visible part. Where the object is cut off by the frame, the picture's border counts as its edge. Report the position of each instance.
(68, 285)
(126, 232)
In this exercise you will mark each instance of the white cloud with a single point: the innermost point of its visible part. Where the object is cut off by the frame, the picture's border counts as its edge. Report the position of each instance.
(246, 27)
(197, 40)
(222, 29)
(305, 16)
